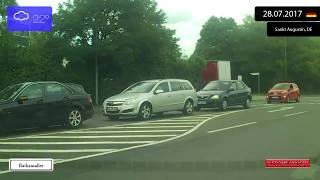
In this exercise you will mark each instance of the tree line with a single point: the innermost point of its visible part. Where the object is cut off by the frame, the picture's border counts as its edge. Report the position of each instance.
(129, 41)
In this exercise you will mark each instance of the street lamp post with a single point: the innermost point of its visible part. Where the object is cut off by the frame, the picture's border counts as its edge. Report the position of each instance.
(258, 75)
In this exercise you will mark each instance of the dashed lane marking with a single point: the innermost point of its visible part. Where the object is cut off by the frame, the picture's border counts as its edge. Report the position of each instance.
(294, 114)
(232, 127)
(281, 109)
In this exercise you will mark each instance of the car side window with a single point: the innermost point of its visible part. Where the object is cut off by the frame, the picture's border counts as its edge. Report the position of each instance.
(176, 86)
(56, 91)
(33, 92)
(233, 86)
(163, 86)
(187, 86)
(240, 86)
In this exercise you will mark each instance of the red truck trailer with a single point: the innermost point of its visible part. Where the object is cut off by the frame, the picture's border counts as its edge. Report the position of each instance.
(216, 70)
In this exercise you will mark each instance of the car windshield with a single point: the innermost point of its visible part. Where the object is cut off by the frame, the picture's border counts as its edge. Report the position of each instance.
(281, 86)
(217, 86)
(10, 91)
(141, 87)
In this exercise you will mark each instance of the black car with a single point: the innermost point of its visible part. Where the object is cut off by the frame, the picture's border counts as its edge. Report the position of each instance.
(41, 104)
(222, 94)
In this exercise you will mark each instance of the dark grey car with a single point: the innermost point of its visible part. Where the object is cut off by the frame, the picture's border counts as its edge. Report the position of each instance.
(222, 94)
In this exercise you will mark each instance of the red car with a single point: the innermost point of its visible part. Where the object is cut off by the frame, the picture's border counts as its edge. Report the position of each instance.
(283, 92)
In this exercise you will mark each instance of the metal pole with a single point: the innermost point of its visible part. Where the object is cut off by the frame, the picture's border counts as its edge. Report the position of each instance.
(96, 69)
(97, 78)
(259, 84)
(285, 59)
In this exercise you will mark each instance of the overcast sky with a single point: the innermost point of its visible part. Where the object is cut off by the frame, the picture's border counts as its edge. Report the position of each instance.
(188, 16)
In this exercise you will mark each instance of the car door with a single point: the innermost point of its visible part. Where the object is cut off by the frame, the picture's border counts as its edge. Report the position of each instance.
(58, 101)
(242, 93)
(177, 97)
(233, 95)
(161, 101)
(27, 113)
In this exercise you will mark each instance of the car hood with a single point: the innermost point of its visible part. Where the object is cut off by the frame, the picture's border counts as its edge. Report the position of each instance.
(277, 91)
(126, 96)
(209, 93)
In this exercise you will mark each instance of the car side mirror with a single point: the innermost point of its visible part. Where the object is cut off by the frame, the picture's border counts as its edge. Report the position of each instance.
(231, 89)
(22, 99)
(159, 91)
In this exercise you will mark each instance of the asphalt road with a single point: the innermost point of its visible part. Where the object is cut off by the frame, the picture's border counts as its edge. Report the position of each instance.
(208, 145)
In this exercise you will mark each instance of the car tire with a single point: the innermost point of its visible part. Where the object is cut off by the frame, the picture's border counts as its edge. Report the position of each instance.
(74, 119)
(298, 99)
(145, 111)
(268, 102)
(188, 108)
(113, 118)
(224, 104)
(247, 103)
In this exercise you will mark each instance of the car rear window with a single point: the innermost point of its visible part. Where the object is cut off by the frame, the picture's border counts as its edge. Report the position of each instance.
(76, 87)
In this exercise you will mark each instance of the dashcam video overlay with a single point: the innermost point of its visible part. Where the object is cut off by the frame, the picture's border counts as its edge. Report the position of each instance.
(287, 13)
(293, 29)
(29, 18)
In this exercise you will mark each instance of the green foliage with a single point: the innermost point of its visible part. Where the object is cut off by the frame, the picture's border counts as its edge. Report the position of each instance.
(250, 50)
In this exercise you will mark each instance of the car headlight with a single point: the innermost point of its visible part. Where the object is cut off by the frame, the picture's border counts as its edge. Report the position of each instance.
(131, 101)
(104, 103)
(215, 97)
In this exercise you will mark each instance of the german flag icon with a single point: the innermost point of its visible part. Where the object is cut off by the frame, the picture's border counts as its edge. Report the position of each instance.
(311, 15)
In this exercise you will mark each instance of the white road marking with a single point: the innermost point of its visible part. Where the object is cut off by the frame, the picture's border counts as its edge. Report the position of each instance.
(7, 161)
(171, 123)
(191, 117)
(171, 120)
(232, 127)
(54, 150)
(98, 137)
(82, 142)
(143, 145)
(293, 114)
(138, 131)
(281, 109)
(144, 127)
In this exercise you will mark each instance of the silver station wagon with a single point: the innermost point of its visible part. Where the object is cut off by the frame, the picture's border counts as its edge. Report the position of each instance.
(152, 97)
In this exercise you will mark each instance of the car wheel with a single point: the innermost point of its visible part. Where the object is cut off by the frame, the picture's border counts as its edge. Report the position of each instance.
(224, 105)
(298, 99)
(145, 111)
(74, 119)
(188, 108)
(247, 104)
(268, 102)
(113, 118)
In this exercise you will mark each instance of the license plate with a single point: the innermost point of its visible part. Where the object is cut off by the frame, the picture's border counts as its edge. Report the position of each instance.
(112, 109)
(202, 102)
(275, 97)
